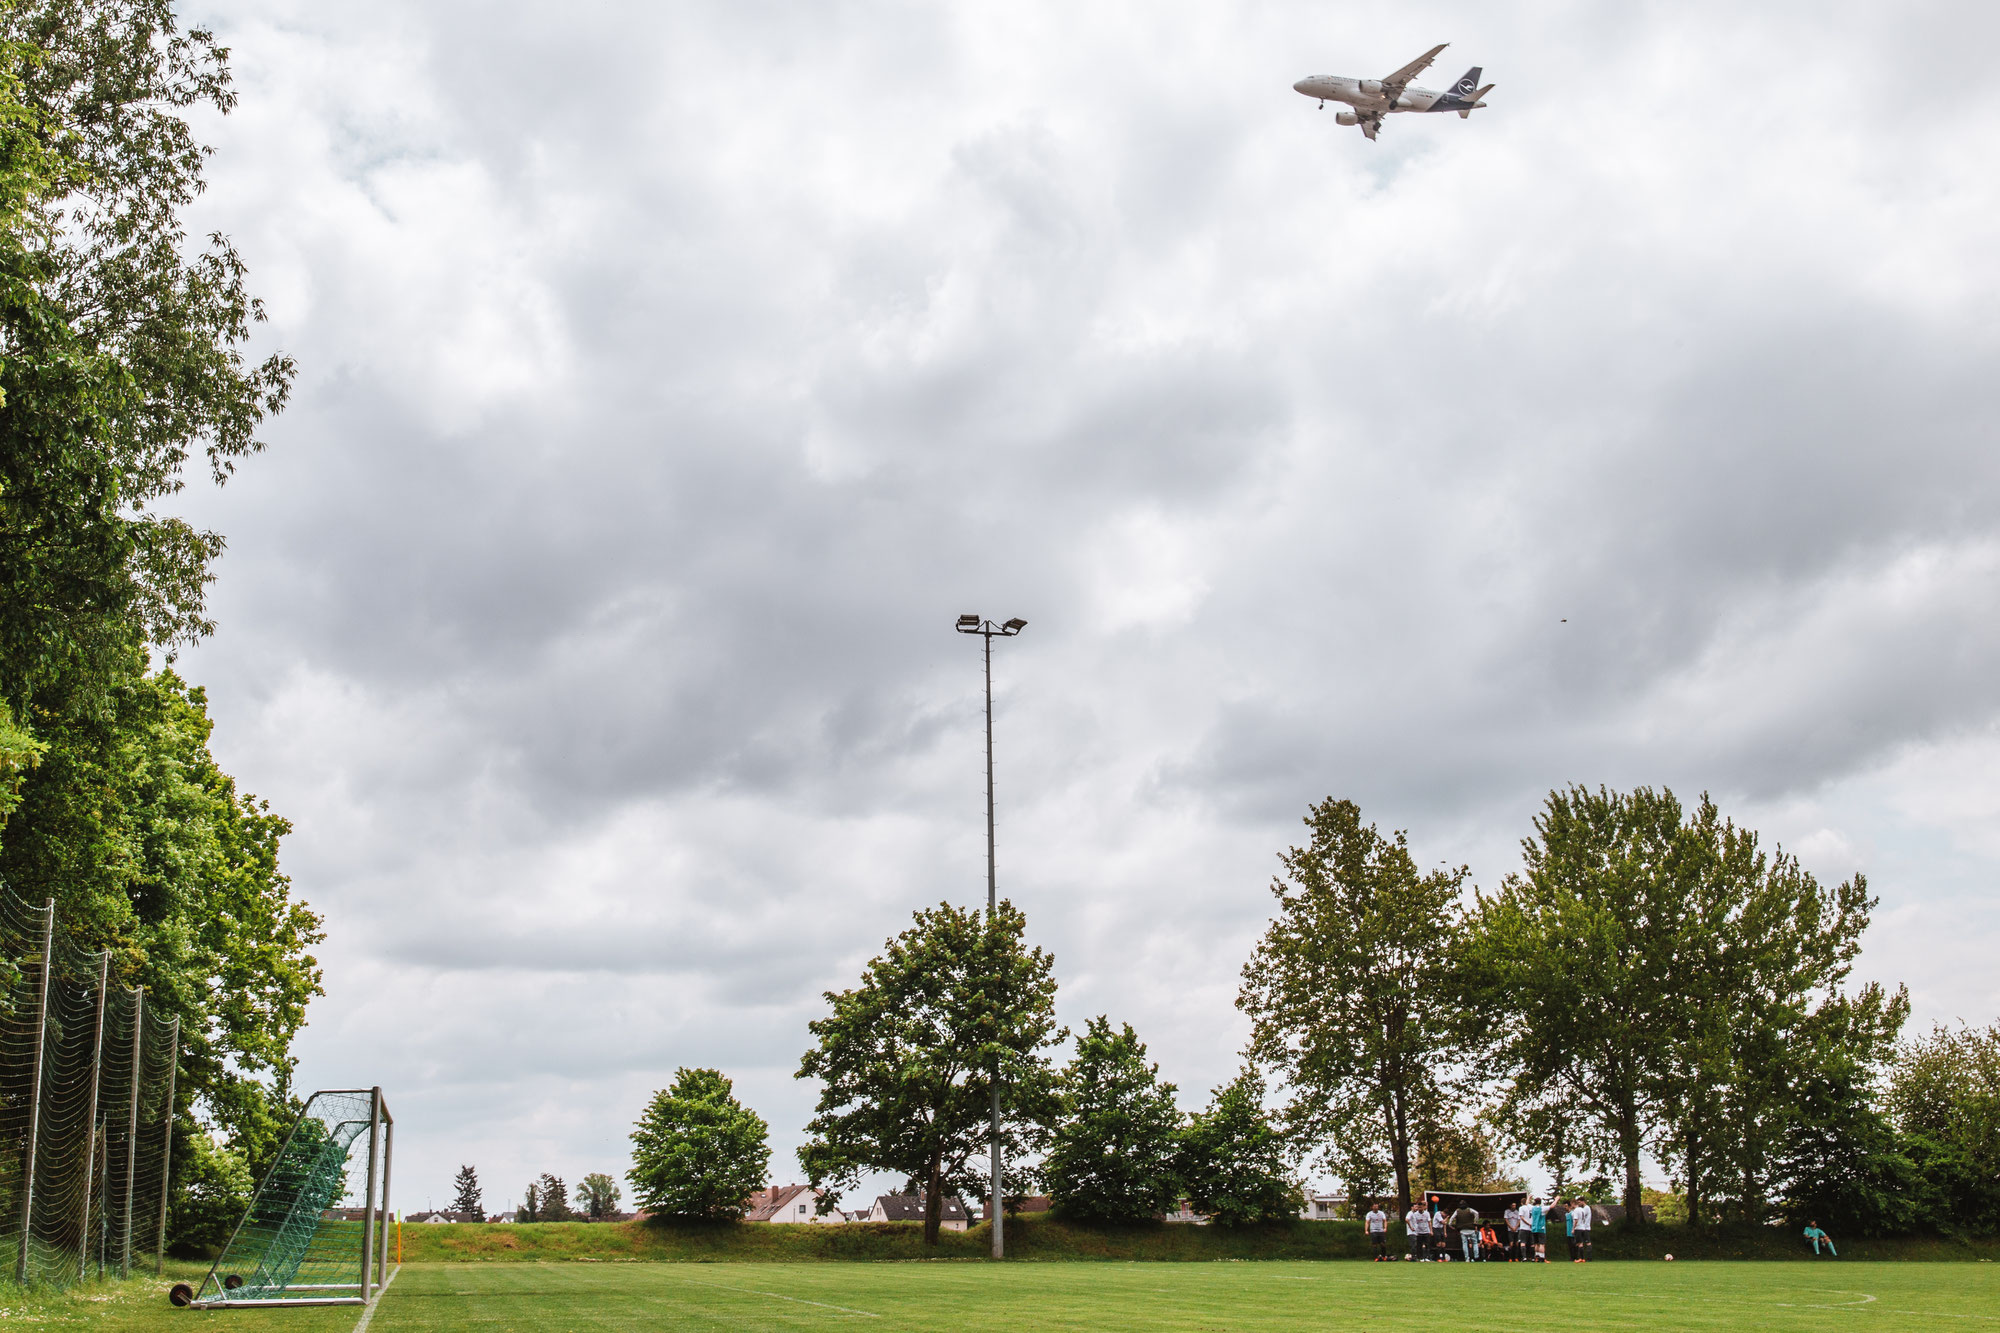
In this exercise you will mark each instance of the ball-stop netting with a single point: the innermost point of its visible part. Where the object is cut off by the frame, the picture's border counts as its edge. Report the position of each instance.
(296, 1245)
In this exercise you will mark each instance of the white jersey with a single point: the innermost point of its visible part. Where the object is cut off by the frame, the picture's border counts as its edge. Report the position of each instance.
(1419, 1222)
(1378, 1221)
(1582, 1216)
(1512, 1217)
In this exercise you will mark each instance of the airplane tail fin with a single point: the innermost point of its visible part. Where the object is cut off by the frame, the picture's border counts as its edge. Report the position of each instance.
(1465, 91)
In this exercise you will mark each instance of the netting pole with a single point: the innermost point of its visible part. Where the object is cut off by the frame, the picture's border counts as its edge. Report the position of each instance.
(132, 1134)
(96, 1081)
(368, 1200)
(35, 1092)
(104, 1204)
(388, 1164)
(167, 1153)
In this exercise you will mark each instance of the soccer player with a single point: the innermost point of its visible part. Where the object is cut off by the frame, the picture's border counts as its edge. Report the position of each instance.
(1538, 1229)
(1417, 1222)
(1569, 1228)
(1377, 1223)
(1816, 1236)
(1512, 1217)
(1582, 1235)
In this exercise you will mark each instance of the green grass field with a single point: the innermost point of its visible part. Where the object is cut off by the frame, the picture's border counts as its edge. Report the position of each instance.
(969, 1295)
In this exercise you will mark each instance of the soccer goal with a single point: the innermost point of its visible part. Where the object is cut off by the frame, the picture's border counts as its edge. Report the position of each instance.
(296, 1246)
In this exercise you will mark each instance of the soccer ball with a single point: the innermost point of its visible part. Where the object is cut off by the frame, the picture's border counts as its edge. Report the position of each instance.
(1408, 1257)
(1670, 1258)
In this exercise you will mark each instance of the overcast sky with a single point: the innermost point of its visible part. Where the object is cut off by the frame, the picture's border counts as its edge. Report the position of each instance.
(673, 374)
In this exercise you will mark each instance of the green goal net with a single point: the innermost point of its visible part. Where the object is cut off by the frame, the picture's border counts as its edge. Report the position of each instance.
(297, 1245)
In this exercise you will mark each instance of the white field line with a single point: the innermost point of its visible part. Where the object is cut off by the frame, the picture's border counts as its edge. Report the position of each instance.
(368, 1311)
(774, 1295)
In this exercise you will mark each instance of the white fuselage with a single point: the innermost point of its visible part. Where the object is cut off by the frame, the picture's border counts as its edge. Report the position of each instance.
(1365, 95)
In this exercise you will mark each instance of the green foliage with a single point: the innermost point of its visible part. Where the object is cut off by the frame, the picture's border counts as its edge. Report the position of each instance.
(697, 1152)
(1456, 1156)
(122, 351)
(215, 1184)
(466, 1200)
(126, 351)
(1944, 1099)
(531, 1204)
(149, 850)
(1347, 997)
(1654, 977)
(1233, 1161)
(19, 752)
(1112, 1155)
(907, 1060)
(599, 1193)
(554, 1200)
(1669, 1206)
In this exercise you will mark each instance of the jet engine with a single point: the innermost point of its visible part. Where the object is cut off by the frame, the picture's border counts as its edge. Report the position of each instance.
(1372, 87)
(1346, 118)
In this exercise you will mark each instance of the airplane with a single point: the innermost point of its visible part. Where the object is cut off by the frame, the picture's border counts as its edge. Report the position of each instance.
(1373, 99)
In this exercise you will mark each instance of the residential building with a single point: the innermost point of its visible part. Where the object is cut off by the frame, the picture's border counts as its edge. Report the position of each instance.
(789, 1203)
(910, 1208)
(1321, 1207)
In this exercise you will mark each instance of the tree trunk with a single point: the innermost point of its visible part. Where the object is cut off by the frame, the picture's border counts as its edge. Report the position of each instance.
(1628, 1146)
(933, 1201)
(1399, 1152)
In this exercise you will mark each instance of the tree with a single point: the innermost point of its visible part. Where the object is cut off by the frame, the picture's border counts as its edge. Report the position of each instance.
(1112, 1154)
(531, 1204)
(1654, 978)
(1573, 963)
(466, 1203)
(907, 1060)
(697, 1152)
(150, 851)
(600, 1195)
(122, 351)
(1842, 1162)
(555, 1200)
(1346, 992)
(1944, 1100)
(1773, 947)
(125, 350)
(1232, 1159)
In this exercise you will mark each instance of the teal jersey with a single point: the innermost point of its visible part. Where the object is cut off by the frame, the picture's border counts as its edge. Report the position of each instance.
(1537, 1219)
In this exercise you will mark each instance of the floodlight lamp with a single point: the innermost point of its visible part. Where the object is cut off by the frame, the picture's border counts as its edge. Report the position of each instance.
(1015, 626)
(968, 622)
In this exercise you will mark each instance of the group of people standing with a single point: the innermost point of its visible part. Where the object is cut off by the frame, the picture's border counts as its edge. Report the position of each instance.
(1521, 1237)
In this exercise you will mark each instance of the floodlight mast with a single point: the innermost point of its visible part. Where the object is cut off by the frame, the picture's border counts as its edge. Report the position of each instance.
(987, 630)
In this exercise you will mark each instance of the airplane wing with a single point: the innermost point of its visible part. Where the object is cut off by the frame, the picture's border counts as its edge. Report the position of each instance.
(1394, 84)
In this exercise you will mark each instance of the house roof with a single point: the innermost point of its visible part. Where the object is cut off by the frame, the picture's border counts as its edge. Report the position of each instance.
(766, 1204)
(910, 1208)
